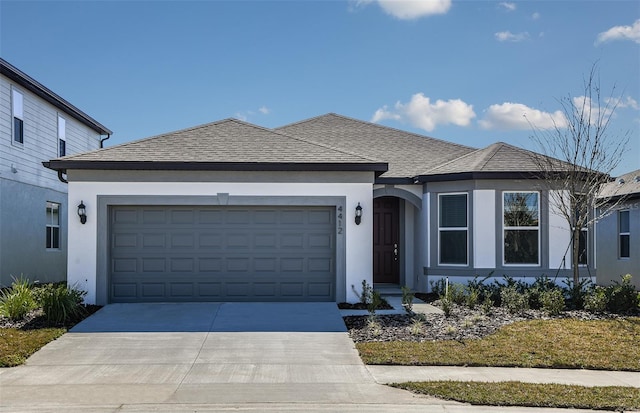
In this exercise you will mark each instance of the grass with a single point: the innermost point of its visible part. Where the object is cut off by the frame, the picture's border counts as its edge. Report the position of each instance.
(560, 343)
(17, 345)
(530, 394)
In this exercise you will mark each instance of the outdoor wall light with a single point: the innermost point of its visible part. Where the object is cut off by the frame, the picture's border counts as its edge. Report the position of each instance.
(358, 214)
(82, 213)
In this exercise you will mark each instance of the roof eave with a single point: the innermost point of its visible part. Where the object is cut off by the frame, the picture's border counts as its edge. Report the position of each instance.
(466, 176)
(214, 166)
(45, 93)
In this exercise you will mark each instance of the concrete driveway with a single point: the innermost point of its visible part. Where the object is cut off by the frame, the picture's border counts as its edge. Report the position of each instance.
(203, 356)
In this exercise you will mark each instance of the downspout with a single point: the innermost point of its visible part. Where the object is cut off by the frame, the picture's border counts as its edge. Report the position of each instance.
(102, 141)
(61, 178)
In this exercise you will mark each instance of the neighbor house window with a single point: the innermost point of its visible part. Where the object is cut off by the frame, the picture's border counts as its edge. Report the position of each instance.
(53, 225)
(623, 225)
(18, 116)
(62, 139)
(521, 225)
(453, 229)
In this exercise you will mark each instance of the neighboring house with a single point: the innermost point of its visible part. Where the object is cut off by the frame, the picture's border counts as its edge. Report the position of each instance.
(234, 211)
(618, 233)
(36, 125)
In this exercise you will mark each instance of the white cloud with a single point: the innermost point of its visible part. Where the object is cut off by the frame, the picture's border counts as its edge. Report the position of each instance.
(407, 9)
(511, 37)
(627, 102)
(535, 16)
(423, 114)
(516, 116)
(508, 6)
(264, 110)
(620, 33)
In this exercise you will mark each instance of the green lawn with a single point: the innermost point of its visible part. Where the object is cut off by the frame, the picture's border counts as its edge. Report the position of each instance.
(530, 394)
(559, 343)
(17, 345)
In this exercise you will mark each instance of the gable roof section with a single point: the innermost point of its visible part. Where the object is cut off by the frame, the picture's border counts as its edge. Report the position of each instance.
(408, 154)
(627, 185)
(32, 85)
(498, 159)
(224, 145)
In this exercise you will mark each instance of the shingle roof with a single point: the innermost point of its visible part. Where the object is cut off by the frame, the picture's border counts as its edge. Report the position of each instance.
(408, 154)
(224, 144)
(497, 157)
(624, 185)
(29, 83)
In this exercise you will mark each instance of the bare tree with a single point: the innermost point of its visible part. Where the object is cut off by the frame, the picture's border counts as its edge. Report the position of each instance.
(576, 157)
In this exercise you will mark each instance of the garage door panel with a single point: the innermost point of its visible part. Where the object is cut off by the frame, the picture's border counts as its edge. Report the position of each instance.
(218, 253)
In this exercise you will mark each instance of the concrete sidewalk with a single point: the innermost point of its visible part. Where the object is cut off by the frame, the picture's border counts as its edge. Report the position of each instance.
(591, 378)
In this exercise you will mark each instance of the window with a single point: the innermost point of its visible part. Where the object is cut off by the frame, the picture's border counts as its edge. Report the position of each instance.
(521, 228)
(53, 225)
(623, 225)
(18, 123)
(453, 229)
(583, 242)
(62, 143)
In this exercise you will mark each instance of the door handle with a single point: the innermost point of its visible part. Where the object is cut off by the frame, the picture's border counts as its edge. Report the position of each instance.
(395, 252)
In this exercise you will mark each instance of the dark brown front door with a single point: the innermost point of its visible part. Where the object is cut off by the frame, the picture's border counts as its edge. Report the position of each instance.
(386, 248)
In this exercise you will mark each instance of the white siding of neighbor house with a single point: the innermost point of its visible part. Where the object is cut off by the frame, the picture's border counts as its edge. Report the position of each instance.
(40, 139)
(26, 185)
(559, 237)
(82, 258)
(484, 228)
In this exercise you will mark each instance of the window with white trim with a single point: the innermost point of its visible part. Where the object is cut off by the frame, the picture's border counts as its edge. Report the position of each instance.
(62, 137)
(453, 230)
(583, 243)
(53, 226)
(624, 234)
(17, 103)
(521, 228)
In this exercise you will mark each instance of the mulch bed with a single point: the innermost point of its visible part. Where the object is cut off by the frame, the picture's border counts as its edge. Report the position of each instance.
(35, 319)
(462, 324)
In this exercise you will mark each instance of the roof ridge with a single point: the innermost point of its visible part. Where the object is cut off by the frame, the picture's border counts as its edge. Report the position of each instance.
(497, 146)
(377, 125)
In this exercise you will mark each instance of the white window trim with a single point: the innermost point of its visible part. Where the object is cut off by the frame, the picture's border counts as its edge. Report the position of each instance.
(466, 229)
(537, 228)
(17, 111)
(586, 230)
(620, 233)
(49, 224)
(62, 134)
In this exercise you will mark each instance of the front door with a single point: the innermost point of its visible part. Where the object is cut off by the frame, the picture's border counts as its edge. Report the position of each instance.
(386, 239)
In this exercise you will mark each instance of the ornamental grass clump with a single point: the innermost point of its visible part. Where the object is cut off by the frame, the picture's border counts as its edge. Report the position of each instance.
(17, 301)
(61, 303)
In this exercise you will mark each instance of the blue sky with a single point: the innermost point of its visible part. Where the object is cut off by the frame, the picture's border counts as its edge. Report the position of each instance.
(463, 71)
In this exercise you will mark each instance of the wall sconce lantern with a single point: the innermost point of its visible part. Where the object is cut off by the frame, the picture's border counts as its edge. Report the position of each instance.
(358, 214)
(82, 213)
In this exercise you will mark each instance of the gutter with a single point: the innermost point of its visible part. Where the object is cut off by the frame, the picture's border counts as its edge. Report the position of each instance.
(102, 140)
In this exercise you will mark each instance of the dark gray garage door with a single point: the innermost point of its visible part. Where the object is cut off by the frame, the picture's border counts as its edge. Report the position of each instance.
(212, 253)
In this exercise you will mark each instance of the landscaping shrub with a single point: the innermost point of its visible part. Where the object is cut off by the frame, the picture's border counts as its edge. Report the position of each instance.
(576, 292)
(513, 300)
(487, 305)
(439, 287)
(18, 300)
(61, 303)
(595, 301)
(447, 306)
(407, 299)
(540, 286)
(472, 297)
(456, 293)
(552, 301)
(622, 297)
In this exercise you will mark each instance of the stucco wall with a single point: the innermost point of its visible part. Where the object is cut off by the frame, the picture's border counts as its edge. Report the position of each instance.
(84, 250)
(610, 266)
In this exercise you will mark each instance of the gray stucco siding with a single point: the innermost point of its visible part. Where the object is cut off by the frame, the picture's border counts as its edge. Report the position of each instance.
(610, 266)
(23, 233)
